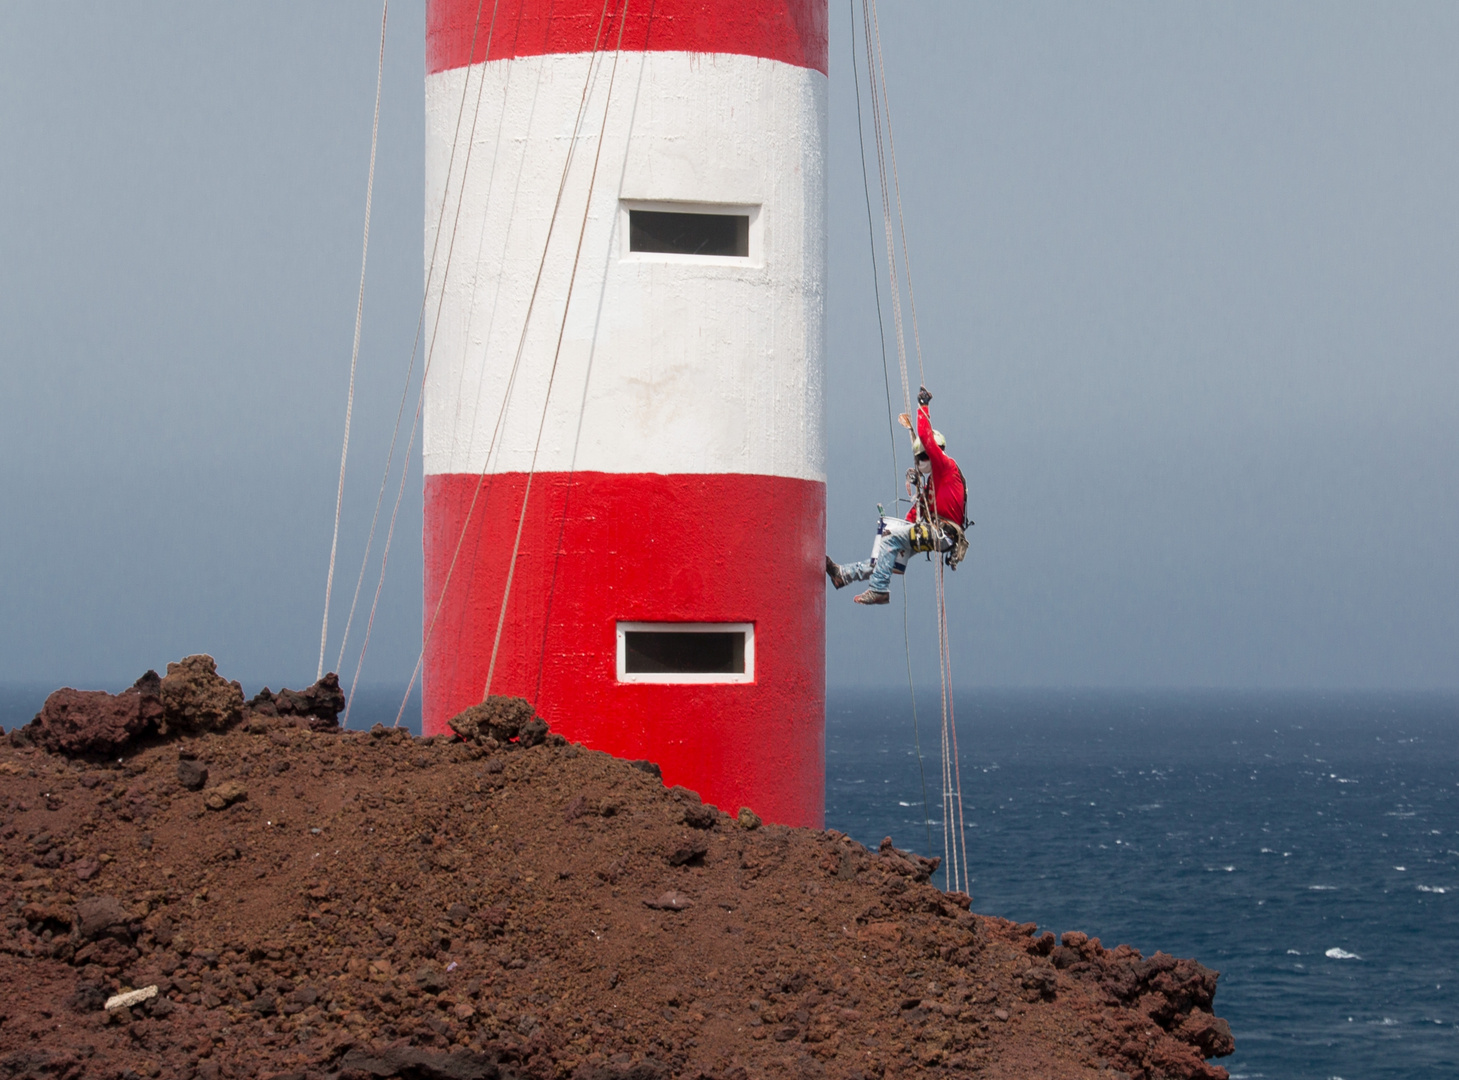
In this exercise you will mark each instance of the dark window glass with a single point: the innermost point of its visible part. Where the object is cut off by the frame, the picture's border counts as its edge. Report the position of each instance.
(725, 235)
(684, 653)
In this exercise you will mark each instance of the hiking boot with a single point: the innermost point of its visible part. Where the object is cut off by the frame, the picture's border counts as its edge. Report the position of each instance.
(837, 578)
(871, 596)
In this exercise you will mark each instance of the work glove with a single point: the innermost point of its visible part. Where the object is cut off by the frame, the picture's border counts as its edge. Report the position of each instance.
(924, 396)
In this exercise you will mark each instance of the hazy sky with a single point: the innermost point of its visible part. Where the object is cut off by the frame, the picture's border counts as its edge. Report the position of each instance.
(1186, 278)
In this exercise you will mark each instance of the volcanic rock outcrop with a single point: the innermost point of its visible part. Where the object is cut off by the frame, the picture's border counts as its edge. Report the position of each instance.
(500, 719)
(317, 707)
(366, 904)
(94, 722)
(191, 699)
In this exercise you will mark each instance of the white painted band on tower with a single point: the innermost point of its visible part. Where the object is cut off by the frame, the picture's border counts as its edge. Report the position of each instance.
(675, 363)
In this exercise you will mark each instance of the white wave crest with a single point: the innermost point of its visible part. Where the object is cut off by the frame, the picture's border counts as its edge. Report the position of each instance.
(1341, 954)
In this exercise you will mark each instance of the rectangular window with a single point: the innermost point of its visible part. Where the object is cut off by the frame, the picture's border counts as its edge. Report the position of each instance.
(679, 233)
(686, 652)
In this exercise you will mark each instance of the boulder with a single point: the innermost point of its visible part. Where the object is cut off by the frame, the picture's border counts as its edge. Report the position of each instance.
(77, 722)
(318, 706)
(98, 914)
(224, 795)
(505, 719)
(1209, 1034)
(192, 774)
(195, 698)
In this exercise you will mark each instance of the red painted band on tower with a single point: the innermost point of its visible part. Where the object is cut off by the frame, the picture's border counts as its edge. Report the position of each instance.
(792, 31)
(717, 548)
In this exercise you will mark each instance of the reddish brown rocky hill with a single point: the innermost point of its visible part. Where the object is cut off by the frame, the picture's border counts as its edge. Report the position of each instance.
(319, 904)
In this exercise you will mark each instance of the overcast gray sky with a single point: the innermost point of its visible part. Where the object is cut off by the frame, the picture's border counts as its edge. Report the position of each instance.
(1186, 278)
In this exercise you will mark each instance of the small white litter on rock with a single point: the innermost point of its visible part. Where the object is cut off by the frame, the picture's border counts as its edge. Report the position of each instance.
(131, 997)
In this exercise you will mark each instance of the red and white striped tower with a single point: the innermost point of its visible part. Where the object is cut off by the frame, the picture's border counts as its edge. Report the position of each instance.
(667, 599)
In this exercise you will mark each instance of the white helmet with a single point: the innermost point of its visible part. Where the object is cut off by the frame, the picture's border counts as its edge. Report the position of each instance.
(936, 437)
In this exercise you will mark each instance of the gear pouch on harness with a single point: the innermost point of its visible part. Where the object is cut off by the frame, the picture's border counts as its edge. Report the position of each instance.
(925, 537)
(956, 545)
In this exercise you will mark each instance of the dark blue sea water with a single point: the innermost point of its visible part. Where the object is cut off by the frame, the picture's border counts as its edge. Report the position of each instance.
(1305, 845)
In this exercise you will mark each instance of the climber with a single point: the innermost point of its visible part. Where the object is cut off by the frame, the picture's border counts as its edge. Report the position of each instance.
(936, 521)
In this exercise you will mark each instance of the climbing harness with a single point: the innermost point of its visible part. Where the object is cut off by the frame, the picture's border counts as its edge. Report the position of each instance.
(932, 532)
(943, 538)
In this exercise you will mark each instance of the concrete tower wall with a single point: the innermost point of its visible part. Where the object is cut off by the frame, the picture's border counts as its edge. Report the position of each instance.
(679, 472)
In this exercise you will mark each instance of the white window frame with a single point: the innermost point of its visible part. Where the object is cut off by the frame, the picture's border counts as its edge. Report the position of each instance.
(747, 628)
(756, 257)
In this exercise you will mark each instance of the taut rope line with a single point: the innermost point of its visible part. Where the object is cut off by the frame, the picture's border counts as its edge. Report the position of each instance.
(557, 351)
(886, 209)
(951, 716)
(516, 364)
(891, 430)
(349, 407)
(954, 849)
(871, 235)
(897, 186)
(410, 368)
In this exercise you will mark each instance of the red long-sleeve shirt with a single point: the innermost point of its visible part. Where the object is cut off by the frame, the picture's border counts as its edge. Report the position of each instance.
(947, 482)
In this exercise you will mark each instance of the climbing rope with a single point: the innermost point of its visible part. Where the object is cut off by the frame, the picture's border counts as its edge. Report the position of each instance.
(871, 235)
(956, 778)
(891, 428)
(557, 351)
(349, 407)
(517, 361)
(955, 861)
(881, 166)
(477, 280)
(409, 372)
(897, 187)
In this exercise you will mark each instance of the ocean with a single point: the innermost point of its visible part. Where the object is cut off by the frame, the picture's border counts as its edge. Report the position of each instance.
(1306, 845)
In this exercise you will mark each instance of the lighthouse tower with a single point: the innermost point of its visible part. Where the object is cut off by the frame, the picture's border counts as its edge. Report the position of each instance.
(624, 448)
